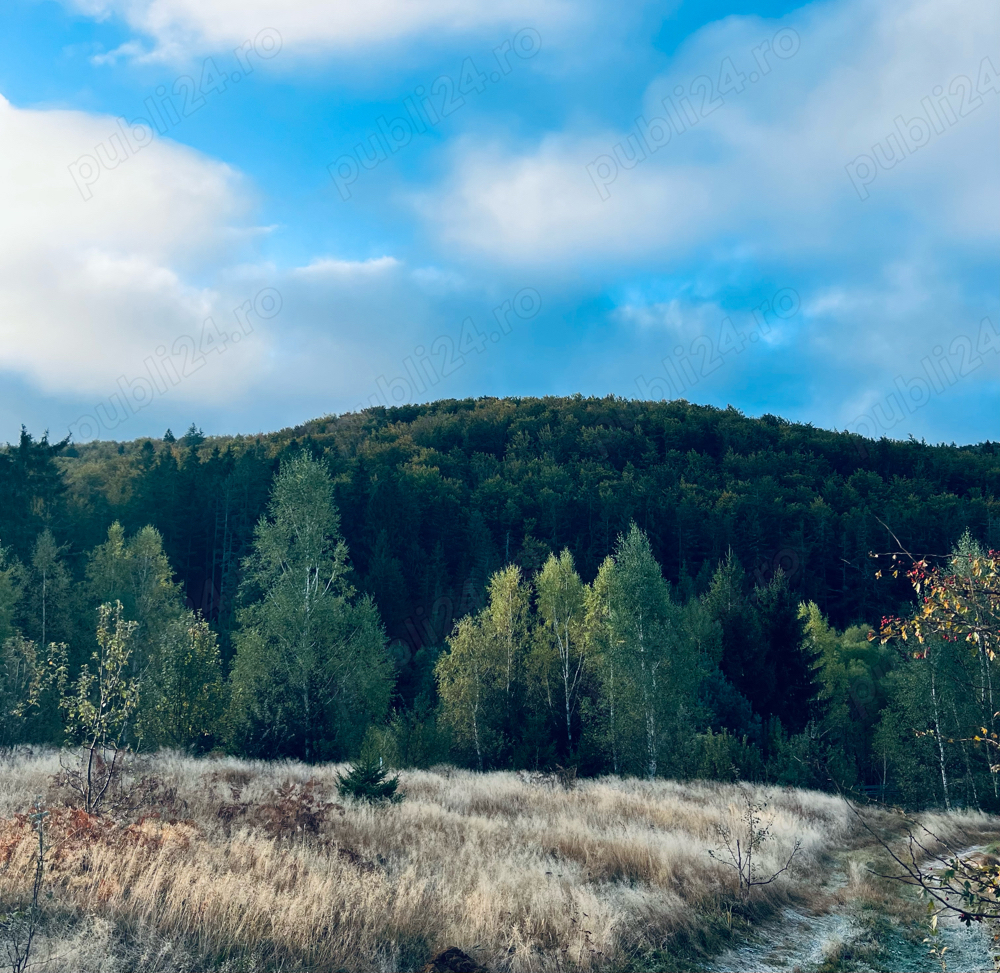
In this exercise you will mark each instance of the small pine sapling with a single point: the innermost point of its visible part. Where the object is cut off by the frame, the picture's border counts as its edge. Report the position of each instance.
(368, 781)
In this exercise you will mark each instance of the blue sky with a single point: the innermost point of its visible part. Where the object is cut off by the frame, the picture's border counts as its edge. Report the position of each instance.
(790, 208)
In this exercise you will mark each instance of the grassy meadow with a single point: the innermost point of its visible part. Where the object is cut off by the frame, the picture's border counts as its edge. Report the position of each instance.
(231, 864)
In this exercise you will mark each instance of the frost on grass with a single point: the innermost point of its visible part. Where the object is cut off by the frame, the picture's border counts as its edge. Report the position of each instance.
(232, 864)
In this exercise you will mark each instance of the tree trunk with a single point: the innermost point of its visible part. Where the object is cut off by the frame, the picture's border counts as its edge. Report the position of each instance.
(614, 740)
(988, 690)
(937, 735)
(965, 754)
(44, 594)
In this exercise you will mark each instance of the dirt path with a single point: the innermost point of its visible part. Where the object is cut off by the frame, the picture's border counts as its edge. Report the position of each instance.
(839, 940)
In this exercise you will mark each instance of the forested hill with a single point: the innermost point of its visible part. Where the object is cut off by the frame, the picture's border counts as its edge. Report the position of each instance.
(433, 498)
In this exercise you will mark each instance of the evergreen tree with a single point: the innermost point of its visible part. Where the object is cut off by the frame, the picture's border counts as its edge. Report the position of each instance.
(11, 590)
(193, 437)
(47, 607)
(741, 639)
(786, 684)
(32, 491)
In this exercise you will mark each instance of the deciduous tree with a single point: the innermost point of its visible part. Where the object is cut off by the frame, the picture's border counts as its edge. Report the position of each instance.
(311, 670)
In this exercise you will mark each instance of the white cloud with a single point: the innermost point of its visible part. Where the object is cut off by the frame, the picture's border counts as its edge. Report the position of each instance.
(768, 165)
(345, 269)
(90, 288)
(758, 191)
(183, 27)
(104, 270)
(130, 49)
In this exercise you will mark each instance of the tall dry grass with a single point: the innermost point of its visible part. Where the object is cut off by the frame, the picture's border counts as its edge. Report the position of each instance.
(524, 876)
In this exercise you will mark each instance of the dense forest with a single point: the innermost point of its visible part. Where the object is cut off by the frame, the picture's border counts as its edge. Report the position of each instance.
(621, 586)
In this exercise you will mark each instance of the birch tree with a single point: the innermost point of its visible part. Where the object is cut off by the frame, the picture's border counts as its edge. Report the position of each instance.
(507, 615)
(136, 572)
(642, 626)
(957, 602)
(311, 670)
(482, 676)
(465, 677)
(561, 608)
(601, 651)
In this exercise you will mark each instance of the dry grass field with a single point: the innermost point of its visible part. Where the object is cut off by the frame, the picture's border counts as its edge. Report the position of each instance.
(239, 865)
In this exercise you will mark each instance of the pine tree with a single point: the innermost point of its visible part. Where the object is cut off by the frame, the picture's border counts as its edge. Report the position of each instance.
(786, 685)
(47, 607)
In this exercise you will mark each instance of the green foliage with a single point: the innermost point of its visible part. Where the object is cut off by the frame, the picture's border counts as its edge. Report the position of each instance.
(311, 671)
(935, 735)
(184, 696)
(562, 627)
(18, 673)
(483, 676)
(100, 707)
(418, 739)
(32, 491)
(467, 685)
(459, 489)
(785, 684)
(380, 746)
(651, 670)
(853, 674)
(11, 589)
(721, 756)
(765, 655)
(193, 437)
(698, 662)
(47, 606)
(368, 780)
(101, 704)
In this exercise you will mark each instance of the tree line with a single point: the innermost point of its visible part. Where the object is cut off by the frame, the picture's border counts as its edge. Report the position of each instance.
(508, 583)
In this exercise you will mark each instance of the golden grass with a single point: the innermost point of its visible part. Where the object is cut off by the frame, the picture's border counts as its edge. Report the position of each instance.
(523, 876)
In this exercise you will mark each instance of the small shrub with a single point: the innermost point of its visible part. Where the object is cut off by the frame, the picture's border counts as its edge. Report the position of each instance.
(295, 810)
(566, 776)
(368, 780)
(744, 843)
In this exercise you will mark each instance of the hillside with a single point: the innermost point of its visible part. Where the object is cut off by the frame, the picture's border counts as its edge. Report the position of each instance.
(743, 545)
(434, 497)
